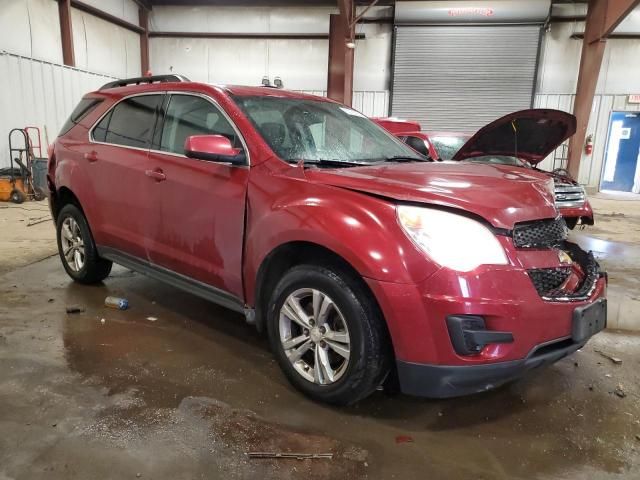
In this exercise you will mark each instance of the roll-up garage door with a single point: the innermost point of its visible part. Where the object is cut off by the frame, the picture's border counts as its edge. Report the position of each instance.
(459, 78)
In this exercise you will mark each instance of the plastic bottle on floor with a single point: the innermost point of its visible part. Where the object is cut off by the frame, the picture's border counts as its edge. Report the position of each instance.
(117, 303)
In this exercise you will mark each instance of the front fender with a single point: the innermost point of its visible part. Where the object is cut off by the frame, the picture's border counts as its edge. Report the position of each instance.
(360, 228)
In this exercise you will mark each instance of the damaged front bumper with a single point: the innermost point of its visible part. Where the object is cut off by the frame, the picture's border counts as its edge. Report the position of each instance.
(444, 381)
(507, 322)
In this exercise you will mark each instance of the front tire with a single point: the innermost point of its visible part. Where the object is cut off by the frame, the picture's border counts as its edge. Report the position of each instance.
(77, 249)
(327, 335)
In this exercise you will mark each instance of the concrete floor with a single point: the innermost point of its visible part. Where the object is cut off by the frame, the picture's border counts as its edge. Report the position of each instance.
(187, 395)
(24, 236)
(615, 240)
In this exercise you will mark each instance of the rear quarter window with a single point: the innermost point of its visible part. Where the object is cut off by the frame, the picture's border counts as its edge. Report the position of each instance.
(83, 108)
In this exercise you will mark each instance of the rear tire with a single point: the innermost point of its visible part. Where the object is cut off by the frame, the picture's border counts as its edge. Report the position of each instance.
(341, 319)
(77, 249)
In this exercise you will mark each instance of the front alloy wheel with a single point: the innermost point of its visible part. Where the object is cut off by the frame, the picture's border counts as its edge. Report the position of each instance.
(314, 336)
(327, 334)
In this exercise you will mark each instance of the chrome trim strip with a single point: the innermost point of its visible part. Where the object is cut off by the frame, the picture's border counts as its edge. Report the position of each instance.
(570, 204)
(173, 154)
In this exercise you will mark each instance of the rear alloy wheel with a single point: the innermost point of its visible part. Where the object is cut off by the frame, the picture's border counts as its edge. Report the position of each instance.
(328, 335)
(77, 249)
(72, 244)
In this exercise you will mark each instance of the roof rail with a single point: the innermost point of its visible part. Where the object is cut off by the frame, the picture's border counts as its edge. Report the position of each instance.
(138, 80)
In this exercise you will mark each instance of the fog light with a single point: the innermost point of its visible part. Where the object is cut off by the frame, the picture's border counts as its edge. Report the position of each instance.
(469, 334)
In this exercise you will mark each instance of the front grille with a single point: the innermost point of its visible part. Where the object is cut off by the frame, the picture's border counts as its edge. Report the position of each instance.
(540, 234)
(569, 196)
(548, 280)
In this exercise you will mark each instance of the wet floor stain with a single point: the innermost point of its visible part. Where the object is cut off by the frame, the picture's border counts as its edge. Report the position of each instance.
(189, 394)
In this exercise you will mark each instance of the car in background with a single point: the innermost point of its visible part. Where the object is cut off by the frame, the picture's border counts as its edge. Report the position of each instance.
(570, 196)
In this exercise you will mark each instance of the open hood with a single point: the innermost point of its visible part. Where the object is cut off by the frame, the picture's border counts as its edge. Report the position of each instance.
(529, 134)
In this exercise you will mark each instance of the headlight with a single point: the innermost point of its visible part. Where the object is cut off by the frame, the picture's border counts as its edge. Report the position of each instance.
(451, 240)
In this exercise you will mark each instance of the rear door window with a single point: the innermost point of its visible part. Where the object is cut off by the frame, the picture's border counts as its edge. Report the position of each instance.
(130, 123)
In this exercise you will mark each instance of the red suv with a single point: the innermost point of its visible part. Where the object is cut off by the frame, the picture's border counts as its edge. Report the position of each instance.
(365, 264)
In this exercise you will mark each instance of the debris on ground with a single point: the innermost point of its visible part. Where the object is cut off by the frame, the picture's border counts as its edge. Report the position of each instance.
(75, 309)
(297, 456)
(615, 360)
(152, 319)
(36, 221)
(404, 439)
(607, 375)
(619, 391)
(356, 454)
(51, 300)
(117, 303)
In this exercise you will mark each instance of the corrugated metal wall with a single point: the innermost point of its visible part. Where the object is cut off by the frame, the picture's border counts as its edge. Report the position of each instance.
(43, 94)
(30, 28)
(603, 105)
(300, 63)
(100, 46)
(38, 93)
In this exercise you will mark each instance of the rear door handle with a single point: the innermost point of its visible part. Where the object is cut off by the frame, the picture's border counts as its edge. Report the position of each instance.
(91, 156)
(157, 175)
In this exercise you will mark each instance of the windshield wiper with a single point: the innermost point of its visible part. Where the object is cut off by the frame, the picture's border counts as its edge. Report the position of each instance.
(401, 158)
(328, 162)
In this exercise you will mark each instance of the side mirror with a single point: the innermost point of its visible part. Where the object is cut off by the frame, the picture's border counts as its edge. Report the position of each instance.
(418, 144)
(215, 148)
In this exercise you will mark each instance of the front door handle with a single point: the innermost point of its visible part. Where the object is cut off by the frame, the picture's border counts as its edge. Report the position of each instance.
(91, 156)
(156, 174)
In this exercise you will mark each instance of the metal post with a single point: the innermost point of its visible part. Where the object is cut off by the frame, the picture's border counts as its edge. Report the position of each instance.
(341, 38)
(603, 17)
(143, 16)
(66, 32)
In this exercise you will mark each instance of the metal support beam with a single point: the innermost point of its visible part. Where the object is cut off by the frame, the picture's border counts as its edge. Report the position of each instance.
(341, 42)
(270, 36)
(143, 17)
(96, 12)
(603, 17)
(66, 32)
(607, 15)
